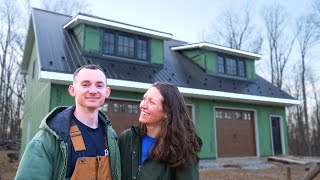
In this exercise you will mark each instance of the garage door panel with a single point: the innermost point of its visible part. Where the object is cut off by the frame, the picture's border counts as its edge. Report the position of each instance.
(122, 114)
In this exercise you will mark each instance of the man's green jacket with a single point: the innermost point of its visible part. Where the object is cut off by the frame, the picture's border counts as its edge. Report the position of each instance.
(48, 153)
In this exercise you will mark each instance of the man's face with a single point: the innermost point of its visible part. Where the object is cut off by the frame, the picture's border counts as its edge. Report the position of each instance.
(89, 89)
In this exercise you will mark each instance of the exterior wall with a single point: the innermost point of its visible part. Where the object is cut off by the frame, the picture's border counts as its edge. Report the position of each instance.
(36, 101)
(157, 51)
(263, 114)
(197, 56)
(206, 126)
(251, 72)
(79, 32)
(208, 61)
(211, 60)
(61, 97)
(204, 117)
(92, 39)
(89, 39)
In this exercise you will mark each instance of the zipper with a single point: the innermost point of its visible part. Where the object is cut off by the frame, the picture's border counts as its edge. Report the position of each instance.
(65, 162)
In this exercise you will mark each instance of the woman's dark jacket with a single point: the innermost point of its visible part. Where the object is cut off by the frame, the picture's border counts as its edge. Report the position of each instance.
(130, 152)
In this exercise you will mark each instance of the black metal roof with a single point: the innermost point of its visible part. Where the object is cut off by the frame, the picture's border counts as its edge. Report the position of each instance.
(59, 51)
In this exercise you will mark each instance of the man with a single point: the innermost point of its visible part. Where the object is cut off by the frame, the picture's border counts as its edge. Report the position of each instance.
(75, 142)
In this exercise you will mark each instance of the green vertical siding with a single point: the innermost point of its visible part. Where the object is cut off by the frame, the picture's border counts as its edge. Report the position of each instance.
(60, 96)
(250, 67)
(263, 115)
(211, 60)
(197, 56)
(36, 101)
(92, 39)
(126, 95)
(205, 126)
(205, 59)
(157, 51)
(79, 32)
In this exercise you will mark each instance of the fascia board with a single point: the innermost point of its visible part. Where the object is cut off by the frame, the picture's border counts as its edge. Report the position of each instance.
(61, 78)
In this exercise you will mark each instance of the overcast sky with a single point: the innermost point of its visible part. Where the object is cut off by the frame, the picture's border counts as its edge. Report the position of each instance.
(186, 20)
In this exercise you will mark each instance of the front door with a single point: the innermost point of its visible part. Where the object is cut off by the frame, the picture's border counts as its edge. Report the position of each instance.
(276, 135)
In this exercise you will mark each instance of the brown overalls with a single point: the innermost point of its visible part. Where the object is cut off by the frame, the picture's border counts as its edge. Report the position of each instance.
(88, 167)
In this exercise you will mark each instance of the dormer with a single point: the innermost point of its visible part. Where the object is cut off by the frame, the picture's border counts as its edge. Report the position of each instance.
(220, 61)
(110, 39)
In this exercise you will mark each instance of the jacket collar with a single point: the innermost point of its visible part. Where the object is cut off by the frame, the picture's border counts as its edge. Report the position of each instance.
(58, 121)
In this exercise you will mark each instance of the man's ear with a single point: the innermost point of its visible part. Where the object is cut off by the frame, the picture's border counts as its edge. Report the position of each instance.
(108, 91)
(71, 90)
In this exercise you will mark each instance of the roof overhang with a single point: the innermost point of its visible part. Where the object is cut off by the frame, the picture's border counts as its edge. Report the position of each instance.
(110, 24)
(114, 84)
(216, 48)
(28, 47)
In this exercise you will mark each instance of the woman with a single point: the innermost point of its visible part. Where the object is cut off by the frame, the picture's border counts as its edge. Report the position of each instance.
(165, 145)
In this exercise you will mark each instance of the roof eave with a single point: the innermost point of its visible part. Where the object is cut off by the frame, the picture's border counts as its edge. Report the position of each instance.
(216, 48)
(28, 47)
(100, 22)
(123, 85)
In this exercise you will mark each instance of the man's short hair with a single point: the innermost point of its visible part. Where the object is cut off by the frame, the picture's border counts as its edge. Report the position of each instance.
(89, 66)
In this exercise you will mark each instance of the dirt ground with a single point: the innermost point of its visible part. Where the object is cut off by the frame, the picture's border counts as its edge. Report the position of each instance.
(275, 173)
(7, 169)
(278, 172)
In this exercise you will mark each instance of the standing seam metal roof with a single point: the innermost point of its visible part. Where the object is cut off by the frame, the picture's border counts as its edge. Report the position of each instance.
(60, 51)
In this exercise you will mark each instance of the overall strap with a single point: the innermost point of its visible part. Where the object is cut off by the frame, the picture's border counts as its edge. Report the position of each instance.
(76, 138)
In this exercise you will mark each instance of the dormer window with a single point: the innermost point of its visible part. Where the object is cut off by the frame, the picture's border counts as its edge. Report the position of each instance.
(231, 66)
(125, 45)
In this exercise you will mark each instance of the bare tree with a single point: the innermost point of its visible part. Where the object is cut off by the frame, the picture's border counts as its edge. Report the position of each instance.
(307, 38)
(236, 31)
(297, 138)
(276, 21)
(315, 117)
(12, 82)
(10, 94)
(316, 13)
(70, 7)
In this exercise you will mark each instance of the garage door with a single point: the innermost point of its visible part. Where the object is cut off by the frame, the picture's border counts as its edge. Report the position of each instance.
(123, 114)
(235, 133)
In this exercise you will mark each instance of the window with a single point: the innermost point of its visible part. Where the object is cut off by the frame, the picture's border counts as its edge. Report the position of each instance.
(220, 65)
(104, 108)
(133, 109)
(142, 49)
(118, 107)
(231, 66)
(233, 114)
(109, 43)
(125, 45)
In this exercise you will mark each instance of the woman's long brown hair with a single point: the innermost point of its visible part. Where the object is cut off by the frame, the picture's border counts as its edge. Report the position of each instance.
(178, 145)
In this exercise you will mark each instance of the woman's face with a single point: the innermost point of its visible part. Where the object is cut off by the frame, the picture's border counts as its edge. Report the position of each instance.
(151, 108)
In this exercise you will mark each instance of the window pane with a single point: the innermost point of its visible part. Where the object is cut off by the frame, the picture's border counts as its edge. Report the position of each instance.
(231, 66)
(220, 64)
(108, 43)
(132, 109)
(241, 68)
(118, 107)
(142, 49)
(105, 107)
(126, 46)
